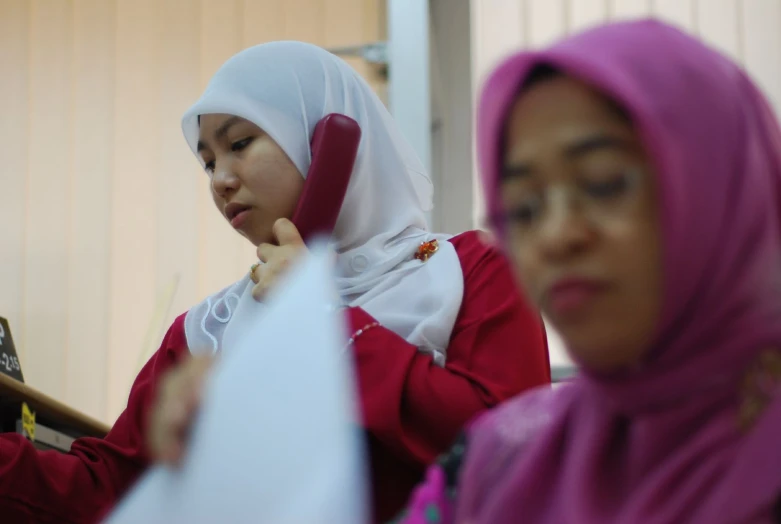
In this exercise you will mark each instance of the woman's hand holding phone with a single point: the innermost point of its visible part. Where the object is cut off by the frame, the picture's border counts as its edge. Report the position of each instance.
(276, 259)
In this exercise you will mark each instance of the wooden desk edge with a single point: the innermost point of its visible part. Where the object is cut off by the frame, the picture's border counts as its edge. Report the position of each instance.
(51, 408)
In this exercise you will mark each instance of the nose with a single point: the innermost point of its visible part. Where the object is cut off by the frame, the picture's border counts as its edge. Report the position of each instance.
(565, 230)
(224, 181)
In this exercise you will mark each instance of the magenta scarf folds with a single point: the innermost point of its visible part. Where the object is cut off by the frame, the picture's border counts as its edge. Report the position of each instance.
(661, 444)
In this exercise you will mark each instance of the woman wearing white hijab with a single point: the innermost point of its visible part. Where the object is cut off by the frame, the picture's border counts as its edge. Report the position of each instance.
(436, 339)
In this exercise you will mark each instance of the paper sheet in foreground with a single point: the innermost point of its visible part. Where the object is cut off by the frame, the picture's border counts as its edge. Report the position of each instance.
(275, 441)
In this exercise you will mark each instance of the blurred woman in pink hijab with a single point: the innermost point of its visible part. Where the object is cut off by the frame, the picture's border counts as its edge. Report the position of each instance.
(634, 175)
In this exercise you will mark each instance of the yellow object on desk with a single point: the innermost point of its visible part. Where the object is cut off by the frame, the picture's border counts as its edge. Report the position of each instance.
(28, 422)
(47, 411)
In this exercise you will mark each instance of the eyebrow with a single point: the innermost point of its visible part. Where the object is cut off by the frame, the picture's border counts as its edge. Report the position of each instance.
(221, 131)
(579, 148)
(594, 143)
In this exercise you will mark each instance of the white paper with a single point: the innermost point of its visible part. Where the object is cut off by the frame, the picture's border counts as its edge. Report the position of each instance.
(275, 440)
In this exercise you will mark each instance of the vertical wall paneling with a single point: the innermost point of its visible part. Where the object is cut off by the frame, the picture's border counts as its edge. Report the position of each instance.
(718, 22)
(180, 175)
(497, 29)
(586, 13)
(89, 244)
(48, 180)
(761, 34)
(264, 21)
(344, 26)
(547, 20)
(621, 9)
(14, 140)
(136, 173)
(679, 12)
(304, 20)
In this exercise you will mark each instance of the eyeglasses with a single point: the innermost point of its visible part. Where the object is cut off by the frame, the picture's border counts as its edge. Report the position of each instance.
(595, 197)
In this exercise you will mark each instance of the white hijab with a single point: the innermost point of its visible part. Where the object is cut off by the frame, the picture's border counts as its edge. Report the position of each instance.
(285, 88)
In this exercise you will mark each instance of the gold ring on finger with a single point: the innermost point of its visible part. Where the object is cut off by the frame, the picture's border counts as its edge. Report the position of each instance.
(252, 269)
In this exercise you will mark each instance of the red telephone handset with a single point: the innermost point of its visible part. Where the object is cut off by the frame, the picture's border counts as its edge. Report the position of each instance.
(334, 148)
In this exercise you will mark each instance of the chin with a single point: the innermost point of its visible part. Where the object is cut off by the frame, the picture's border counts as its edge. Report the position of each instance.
(602, 351)
(253, 240)
(258, 239)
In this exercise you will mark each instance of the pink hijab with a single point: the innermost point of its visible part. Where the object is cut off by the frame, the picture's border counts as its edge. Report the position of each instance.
(662, 444)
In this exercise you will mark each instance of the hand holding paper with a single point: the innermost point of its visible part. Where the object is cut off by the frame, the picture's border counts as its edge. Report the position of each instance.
(264, 449)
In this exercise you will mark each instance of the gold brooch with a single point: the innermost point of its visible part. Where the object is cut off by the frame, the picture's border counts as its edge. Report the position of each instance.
(427, 249)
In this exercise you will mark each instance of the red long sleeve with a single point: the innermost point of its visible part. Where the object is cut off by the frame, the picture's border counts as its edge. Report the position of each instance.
(412, 408)
(76, 487)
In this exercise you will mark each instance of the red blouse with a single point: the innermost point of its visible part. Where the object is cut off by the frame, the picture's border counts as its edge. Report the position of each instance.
(412, 408)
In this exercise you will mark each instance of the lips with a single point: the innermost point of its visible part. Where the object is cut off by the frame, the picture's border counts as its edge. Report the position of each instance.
(571, 296)
(237, 213)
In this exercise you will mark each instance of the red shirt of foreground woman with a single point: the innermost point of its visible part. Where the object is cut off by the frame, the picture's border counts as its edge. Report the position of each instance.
(635, 175)
(436, 341)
